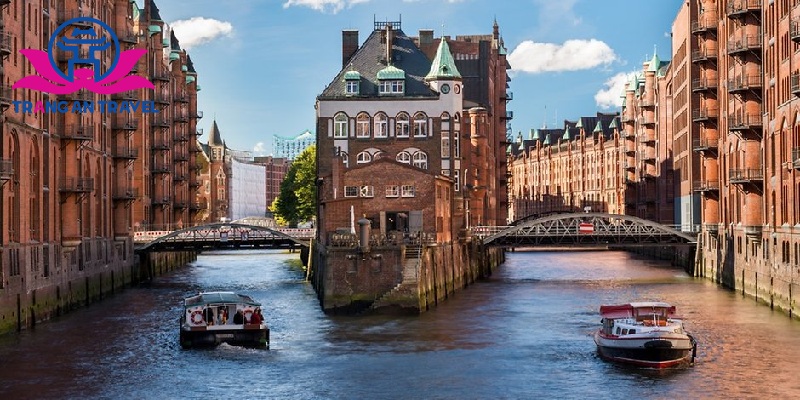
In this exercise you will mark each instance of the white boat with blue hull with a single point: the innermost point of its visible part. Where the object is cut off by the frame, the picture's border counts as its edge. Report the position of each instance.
(212, 318)
(644, 334)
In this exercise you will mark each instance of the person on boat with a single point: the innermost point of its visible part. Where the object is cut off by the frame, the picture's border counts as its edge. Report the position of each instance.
(257, 318)
(223, 315)
(238, 319)
(208, 315)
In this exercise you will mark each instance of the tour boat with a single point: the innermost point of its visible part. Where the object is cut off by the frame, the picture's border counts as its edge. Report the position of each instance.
(210, 319)
(644, 334)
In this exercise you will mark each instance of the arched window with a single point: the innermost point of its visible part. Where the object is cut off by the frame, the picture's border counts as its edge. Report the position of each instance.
(404, 157)
(421, 160)
(420, 125)
(401, 129)
(340, 126)
(363, 158)
(381, 127)
(362, 125)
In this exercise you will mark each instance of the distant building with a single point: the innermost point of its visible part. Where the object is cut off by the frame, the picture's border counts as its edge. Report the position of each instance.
(290, 148)
(276, 169)
(234, 187)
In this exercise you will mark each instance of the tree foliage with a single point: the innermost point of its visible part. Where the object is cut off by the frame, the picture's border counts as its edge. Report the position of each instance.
(296, 201)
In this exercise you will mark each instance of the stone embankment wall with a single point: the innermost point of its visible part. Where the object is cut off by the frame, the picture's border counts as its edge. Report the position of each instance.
(760, 268)
(401, 278)
(36, 297)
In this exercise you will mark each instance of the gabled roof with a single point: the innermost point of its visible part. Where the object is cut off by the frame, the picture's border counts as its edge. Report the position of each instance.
(155, 14)
(371, 58)
(443, 65)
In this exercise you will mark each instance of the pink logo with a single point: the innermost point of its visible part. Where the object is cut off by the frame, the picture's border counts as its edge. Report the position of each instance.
(83, 41)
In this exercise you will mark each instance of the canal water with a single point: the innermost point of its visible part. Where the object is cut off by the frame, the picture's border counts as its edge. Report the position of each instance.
(523, 333)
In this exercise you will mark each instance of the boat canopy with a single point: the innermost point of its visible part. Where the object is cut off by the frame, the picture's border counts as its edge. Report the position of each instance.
(219, 298)
(631, 310)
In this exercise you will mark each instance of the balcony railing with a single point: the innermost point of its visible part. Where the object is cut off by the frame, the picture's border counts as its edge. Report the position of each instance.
(197, 115)
(127, 36)
(742, 44)
(76, 185)
(124, 153)
(795, 84)
(160, 145)
(742, 83)
(738, 122)
(508, 96)
(80, 95)
(6, 96)
(126, 194)
(180, 205)
(160, 168)
(163, 76)
(704, 114)
(123, 123)
(180, 137)
(703, 84)
(794, 31)
(704, 144)
(180, 117)
(706, 186)
(160, 121)
(179, 177)
(77, 132)
(706, 21)
(6, 169)
(161, 98)
(130, 95)
(747, 175)
(161, 200)
(738, 8)
(180, 156)
(5, 42)
(707, 54)
(508, 115)
(796, 158)
(66, 15)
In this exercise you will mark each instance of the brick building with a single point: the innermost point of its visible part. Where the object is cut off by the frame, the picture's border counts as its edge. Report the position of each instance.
(398, 142)
(76, 184)
(275, 169)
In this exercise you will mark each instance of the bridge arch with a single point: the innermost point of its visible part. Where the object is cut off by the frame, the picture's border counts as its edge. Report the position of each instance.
(573, 229)
(224, 235)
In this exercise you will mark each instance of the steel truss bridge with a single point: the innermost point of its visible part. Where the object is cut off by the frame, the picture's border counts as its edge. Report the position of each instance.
(585, 229)
(228, 235)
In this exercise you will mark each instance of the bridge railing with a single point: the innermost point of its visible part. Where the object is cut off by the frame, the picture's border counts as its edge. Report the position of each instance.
(149, 236)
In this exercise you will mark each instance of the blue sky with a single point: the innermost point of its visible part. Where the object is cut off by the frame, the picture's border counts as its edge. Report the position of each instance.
(261, 63)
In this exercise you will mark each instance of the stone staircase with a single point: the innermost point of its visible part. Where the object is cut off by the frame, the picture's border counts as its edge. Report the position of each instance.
(409, 283)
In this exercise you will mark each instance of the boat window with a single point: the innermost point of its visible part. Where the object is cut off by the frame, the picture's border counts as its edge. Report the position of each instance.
(625, 331)
(632, 331)
(617, 330)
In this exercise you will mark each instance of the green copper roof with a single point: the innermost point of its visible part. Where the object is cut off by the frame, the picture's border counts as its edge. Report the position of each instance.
(655, 63)
(174, 56)
(566, 135)
(352, 75)
(391, 72)
(153, 29)
(613, 124)
(546, 140)
(633, 84)
(190, 79)
(598, 127)
(184, 68)
(443, 65)
(535, 134)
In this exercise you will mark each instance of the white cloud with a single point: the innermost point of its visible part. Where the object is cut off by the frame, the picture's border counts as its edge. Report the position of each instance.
(259, 148)
(573, 55)
(334, 6)
(198, 30)
(611, 96)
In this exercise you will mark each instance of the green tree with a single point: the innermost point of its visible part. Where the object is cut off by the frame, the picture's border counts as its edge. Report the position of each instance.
(296, 201)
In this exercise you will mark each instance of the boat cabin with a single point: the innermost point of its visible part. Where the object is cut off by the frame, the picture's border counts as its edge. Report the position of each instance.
(633, 318)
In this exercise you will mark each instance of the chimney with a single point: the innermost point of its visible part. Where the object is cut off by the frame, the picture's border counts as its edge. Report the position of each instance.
(349, 45)
(426, 42)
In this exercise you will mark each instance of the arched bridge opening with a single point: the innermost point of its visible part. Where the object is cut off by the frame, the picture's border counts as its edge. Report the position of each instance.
(585, 230)
(228, 235)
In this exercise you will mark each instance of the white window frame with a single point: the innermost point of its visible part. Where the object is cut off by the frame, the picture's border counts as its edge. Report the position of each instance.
(340, 125)
(420, 160)
(420, 125)
(457, 180)
(407, 191)
(351, 87)
(381, 125)
(351, 191)
(366, 191)
(403, 157)
(456, 144)
(401, 125)
(393, 191)
(362, 126)
(363, 158)
(445, 145)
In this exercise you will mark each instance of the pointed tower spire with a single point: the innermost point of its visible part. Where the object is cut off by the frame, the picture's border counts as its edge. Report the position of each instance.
(443, 65)
(215, 139)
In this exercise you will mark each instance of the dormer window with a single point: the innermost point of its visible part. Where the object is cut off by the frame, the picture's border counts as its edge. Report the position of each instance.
(352, 83)
(391, 81)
